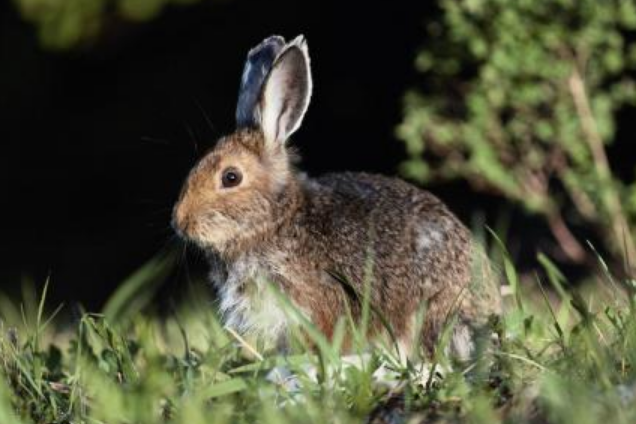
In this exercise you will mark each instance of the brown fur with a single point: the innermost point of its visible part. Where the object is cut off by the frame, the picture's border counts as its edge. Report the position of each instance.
(323, 242)
(299, 233)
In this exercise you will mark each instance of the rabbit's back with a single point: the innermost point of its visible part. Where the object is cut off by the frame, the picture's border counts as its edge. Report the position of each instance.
(402, 228)
(405, 241)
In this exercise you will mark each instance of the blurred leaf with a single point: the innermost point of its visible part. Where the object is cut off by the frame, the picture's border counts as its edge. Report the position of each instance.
(225, 388)
(137, 291)
(68, 24)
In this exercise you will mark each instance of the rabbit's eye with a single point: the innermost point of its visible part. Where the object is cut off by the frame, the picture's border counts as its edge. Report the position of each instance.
(231, 177)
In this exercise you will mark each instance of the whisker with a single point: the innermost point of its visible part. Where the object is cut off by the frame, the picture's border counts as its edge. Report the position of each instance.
(168, 245)
(155, 140)
(205, 115)
(192, 137)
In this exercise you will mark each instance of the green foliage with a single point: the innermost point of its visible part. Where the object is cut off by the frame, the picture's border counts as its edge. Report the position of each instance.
(562, 357)
(137, 291)
(520, 99)
(64, 24)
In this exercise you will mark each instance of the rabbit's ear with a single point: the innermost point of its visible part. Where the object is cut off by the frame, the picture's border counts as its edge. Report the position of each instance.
(286, 92)
(257, 66)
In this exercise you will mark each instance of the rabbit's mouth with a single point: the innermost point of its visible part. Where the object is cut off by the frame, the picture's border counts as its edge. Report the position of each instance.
(210, 231)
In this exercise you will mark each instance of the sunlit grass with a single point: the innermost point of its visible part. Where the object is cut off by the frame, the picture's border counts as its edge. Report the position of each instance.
(563, 357)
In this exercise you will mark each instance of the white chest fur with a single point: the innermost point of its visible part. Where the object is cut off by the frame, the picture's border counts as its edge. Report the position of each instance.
(249, 303)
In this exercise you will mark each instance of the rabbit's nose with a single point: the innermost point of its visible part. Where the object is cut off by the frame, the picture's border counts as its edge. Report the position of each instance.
(174, 224)
(180, 222)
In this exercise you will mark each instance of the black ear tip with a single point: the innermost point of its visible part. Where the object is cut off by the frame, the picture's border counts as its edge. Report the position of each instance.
(272, 43)
(274, 39)
(259, 62)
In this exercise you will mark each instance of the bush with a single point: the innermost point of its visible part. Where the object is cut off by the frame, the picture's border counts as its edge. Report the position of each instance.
(520, 99)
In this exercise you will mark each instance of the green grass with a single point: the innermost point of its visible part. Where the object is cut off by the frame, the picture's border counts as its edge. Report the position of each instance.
(564, 357)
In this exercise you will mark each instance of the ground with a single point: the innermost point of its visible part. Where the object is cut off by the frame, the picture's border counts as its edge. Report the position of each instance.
(563, 357)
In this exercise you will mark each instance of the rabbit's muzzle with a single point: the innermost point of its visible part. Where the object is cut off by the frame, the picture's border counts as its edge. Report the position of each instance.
(203, 225)
(187, 216)
(181, 223)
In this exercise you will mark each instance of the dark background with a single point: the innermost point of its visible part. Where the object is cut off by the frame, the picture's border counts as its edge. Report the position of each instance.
(95, 142)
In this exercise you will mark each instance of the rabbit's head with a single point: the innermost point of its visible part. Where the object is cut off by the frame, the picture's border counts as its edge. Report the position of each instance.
(245, 184)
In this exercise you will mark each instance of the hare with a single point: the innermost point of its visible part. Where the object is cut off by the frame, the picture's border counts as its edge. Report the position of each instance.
(321, 241)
